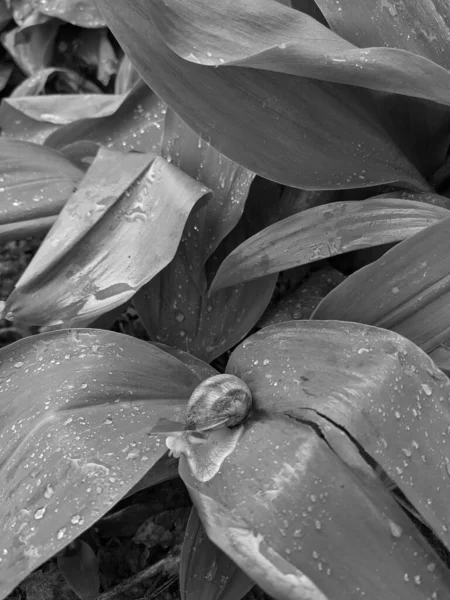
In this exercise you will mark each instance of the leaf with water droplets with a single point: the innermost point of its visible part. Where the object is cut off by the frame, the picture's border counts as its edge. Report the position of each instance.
(296, 130)
(135, 125)
(119, 229)
(325, 231)
(206, 573)
(174, 306)
(75, 410)
(35, 183)
(292, 513)
(83, 13)
(407, 290)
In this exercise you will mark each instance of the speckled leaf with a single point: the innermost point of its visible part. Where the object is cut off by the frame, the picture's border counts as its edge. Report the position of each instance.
(98, 253)
(136, 125)
(206, 573)
(76, 406)
(291, 512)
(406, 290)
(35, 182)
(83, 13)
(291, 504)
(325, 231)
(331, 130)
(380, 387)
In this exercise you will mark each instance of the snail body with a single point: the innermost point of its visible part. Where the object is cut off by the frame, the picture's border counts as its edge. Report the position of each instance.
(219, 400)
(215, 413)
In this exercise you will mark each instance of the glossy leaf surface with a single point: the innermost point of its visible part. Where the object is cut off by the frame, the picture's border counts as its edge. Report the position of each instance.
(76, 406)
(406, 290)
(89, 263)
(316, 135)
(348, 383)
(325, 231)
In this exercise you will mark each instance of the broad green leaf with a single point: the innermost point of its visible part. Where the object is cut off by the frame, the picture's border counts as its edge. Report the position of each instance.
(20, 230)
(406, 290)
(263, 34)
(206, 573)
(135, 125)
(76, 406)
(121, 227)
(420, 128)
(83, 13)
(174, 306)
(315, 135)
(325, 231)
(419, 27)
(35, 182)
(333, 400)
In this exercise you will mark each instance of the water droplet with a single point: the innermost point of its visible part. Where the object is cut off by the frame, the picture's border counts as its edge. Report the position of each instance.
(61, 533)
(396, 530)
(426, 388)
(179, 316)
(49, 491)
(39, 513)
(18, 365)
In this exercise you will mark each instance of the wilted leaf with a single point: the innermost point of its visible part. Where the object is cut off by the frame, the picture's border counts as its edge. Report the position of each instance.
(31, 45)
(83, 13)
(206, 573)
(325, 231)
(316, 135)
(35, 182)
(294, 500)
(174, 306)
(120, 228)
(406, 290)
(135, 125)
(76, 406)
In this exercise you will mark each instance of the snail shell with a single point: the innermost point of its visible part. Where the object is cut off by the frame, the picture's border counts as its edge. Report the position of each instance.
(216, 410)
(219, 400)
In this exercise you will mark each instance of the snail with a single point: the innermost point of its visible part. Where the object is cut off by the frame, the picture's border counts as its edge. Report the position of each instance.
(215, 413)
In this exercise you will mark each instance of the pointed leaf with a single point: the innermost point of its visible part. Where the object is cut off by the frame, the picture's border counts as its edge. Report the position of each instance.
(35, 182)
(325, 231)
(206, 573)
(97, 254)
(345, 147)
(406, 290)
(76, 406)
